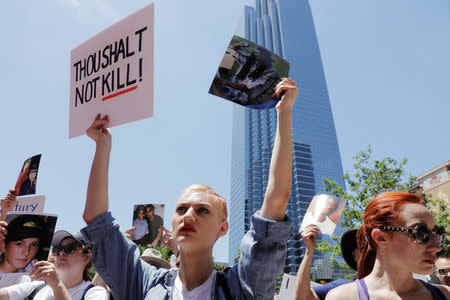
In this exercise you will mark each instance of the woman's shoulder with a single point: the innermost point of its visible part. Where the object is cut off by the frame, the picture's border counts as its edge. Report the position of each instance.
(444, 289)
(345, 291)
(95, 292)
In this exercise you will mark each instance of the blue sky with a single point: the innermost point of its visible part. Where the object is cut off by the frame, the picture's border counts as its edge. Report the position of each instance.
(387, 65)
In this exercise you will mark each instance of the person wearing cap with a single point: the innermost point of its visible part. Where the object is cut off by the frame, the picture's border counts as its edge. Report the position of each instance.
(20, 243)
(349, 249)
(68, 278)
(153, 257)
(199, 219)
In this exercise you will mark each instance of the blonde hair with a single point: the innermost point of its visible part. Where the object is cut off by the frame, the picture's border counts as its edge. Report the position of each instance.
(211, 196)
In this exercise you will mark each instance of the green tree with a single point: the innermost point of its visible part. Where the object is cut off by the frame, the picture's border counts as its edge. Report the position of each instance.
(369, 178)
(441, 215)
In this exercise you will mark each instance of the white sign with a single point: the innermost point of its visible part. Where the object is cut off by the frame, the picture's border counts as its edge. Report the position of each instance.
(112, 73)
(432, 180)
(30, 204)
(287, 288)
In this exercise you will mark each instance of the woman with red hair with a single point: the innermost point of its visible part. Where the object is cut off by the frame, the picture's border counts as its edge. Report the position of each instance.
(398, 237)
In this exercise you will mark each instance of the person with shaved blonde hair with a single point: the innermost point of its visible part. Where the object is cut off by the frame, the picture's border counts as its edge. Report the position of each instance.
(200, 218)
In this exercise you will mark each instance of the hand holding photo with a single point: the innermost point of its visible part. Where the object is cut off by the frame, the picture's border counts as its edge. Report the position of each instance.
(248, 74)
(324, 211)
(148, 221)
(33, 232)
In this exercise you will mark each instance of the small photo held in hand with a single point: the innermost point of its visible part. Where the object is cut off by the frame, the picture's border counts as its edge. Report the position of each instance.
(324, 211)
(248, 74)
(147, 221)
(27, 241)
(26, 183)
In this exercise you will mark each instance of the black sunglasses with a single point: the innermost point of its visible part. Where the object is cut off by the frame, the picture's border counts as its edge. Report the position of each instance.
(444, 271)
(67, 249)
(421, 233)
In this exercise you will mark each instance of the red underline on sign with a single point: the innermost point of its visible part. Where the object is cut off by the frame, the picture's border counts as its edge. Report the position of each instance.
(119, 93)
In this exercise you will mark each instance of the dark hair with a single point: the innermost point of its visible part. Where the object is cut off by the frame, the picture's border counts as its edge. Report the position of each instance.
(383, 210)
(151, 206)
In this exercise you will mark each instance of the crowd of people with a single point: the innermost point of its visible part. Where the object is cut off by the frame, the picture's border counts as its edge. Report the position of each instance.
(397, 237)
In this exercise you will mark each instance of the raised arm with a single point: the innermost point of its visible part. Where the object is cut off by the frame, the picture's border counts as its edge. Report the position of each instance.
(7, 203)
(280, 175)
(303, 289)
(97, 191)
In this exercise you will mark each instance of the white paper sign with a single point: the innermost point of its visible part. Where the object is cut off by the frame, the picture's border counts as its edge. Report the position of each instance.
(112, 73)
(30, 204)
(287, 288)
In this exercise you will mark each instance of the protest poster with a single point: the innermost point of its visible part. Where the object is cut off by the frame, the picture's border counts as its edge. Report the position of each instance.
(112, 74)
(35, 230)
(147, 221)
(248, 74)
(26, 183)
(324, 211)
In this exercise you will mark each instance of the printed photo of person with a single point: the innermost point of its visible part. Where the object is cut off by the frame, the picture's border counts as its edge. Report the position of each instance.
(324, 211)
(151, 216)
(248, 74)
(26, 183)
(27, 241)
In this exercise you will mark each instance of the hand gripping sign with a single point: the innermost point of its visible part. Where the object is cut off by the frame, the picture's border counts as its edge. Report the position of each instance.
(112, 73)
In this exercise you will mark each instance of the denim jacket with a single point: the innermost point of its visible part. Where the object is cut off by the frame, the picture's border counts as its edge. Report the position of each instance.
(117, 260)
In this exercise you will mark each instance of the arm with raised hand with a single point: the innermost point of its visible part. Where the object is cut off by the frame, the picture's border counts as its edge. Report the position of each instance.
(280, 174)
(7, 203)
(263, 248)
(303, 290)
(97, 191)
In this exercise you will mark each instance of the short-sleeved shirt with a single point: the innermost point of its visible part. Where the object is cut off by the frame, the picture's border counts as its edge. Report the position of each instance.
(322, 290)
(23, 290)
(153, 227)
(141, 228)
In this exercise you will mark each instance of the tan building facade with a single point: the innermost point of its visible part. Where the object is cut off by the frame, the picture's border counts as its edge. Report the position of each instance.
(436, 182)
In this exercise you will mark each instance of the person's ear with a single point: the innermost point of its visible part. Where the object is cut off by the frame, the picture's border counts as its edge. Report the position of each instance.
(380, 238)
(223, 229)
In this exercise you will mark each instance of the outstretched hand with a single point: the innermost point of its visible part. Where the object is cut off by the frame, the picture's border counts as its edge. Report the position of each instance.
(98, 131)
(168, 240)
(288, 91)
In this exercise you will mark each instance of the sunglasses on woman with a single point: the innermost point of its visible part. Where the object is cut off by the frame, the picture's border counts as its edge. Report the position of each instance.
(67, 249)
(444, 272)
(421, 233)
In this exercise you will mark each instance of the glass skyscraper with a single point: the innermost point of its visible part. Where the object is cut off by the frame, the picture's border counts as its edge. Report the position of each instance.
(286, 27)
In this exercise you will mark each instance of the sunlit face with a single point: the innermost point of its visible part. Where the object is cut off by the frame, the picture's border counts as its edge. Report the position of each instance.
(19, 253)
(416, 258)
(32, 175)
(74, 262)
(196, 223)
(443, 263)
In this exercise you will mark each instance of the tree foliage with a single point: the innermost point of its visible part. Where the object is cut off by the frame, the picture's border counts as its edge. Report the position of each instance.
(368, 178)
(439, 209)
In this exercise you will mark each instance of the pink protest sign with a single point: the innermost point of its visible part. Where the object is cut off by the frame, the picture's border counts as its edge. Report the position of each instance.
(112, 73)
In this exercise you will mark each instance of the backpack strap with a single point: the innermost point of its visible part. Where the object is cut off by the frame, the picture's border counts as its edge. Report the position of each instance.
(222, 281)
(87, 289)
(35, 291)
